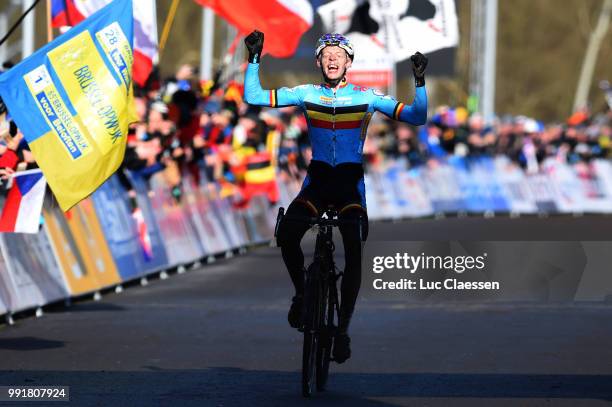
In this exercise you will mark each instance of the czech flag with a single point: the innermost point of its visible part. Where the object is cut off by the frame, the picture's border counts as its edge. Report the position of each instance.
(71, 12)
(143, 234)
(65, 13)
(282, 21)
(23, 206)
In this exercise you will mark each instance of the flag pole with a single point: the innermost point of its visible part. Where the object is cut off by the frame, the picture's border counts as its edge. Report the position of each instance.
(49, 27)
(28, 32)
(18, 22)
(229, 55)
(167, 26)
(206, 54)
(232, 48)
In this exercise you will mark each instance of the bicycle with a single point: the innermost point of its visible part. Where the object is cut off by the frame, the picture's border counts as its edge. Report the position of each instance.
(321, 306)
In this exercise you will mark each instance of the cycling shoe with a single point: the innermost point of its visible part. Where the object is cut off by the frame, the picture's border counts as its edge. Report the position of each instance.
(295, 312)
(342, 348)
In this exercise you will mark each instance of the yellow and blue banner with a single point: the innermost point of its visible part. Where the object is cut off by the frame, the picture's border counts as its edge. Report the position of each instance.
(73, 101)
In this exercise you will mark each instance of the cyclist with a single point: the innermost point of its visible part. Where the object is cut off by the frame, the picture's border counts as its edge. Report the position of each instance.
(338, 114)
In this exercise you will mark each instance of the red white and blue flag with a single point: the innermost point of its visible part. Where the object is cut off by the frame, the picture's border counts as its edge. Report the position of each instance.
(23, 206)
(143, 234)
(282, 21)
(71, 12)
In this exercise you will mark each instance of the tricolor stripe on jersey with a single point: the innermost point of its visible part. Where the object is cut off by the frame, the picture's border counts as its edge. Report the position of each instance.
(345, 117)
(398, 110)
(273, 98)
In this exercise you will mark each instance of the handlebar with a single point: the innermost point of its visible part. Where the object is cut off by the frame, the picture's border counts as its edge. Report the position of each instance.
(331, 219)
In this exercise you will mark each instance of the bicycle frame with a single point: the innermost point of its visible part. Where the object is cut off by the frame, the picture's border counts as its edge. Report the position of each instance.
(329, 304)
(321, 305)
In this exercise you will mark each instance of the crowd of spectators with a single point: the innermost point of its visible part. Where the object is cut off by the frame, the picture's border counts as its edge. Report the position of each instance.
(206, 131)
(15, 153)
(526, 141)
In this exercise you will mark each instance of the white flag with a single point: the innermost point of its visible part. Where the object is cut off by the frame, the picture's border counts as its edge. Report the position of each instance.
(389, 28)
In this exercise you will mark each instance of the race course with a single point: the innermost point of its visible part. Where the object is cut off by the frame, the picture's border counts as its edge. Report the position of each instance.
(218, 336)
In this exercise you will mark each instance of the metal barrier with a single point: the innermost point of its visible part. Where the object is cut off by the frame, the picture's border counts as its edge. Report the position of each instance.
(103, 241)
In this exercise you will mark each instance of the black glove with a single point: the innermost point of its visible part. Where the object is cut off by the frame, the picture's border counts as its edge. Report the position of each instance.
(254, 43)
(419, 63)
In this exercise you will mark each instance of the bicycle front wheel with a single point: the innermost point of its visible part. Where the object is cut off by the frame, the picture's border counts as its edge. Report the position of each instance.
(325, 337)
(309, 363)
(311, 330)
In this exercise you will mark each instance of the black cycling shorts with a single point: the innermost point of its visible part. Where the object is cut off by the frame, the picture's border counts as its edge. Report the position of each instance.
(337, 186)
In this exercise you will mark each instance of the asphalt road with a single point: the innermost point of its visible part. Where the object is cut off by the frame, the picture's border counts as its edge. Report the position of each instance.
(218, 336)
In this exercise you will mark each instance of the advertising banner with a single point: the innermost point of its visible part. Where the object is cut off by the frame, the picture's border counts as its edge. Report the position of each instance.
(569, 194)
(378, 196)
(233, 225)
(500, 202)
(288, 189)
(193, 205)
(34, 273)
(374, 211)
(177, 231)
(8, 293)
(544, 193)
(603, 169)
(131, 257)
(3, 295)
(514, 186)
(89, 238)
(259, 220)
(443, 188)
(400, 206)
(154, 238)
(485, 193)
(79, 279)
(412, 187)
(216, 237)
(594, 179)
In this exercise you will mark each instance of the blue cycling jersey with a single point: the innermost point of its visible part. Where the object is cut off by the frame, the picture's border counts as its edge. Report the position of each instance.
(337, 120)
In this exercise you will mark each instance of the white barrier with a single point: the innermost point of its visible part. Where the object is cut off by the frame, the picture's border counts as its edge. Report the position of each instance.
(4, 286)
(514, 187)
(35, 269)
(180, 238)
(32, 276)
(260, 219)
(487, 185)
(232, 222)
(208, 228)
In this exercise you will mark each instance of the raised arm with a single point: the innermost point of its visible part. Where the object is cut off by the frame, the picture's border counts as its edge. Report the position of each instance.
(254, 94)
(416, 113)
